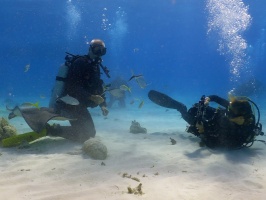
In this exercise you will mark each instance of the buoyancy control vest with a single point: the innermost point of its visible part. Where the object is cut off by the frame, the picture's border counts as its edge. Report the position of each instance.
(61, 78)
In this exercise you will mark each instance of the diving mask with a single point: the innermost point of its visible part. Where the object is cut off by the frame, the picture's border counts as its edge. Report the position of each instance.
(98, 50)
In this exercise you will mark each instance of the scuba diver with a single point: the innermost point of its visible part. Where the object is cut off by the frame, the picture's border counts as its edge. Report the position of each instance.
(78, 86)
(233, 126)
(82, 82)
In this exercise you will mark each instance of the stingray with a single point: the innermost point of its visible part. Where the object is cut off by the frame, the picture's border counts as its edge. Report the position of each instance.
(36, 118)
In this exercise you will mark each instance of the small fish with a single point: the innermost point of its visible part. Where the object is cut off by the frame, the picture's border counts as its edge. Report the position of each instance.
(136, 50)
(139, 79)
(29, 104)
(125, 88)
(42, 96)
(135, 76)
(141, 82)
(69, 100)
(141, 104)
(27, 68)
(106, 87)
(117, 92)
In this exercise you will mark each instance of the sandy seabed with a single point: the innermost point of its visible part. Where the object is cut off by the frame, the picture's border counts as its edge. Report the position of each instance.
(55, 168)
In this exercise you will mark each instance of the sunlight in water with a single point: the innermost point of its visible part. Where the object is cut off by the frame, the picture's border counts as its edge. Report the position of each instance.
(73, 18)
(229, 19)
(119, 27)
(118, 31)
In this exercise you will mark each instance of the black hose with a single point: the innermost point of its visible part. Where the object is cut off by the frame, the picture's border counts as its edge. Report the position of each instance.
(258, 121)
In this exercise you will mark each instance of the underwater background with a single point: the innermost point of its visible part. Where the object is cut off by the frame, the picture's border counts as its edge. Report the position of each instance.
(184, 48)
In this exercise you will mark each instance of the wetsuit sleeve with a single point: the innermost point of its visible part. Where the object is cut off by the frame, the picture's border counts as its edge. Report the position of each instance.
(103, 103)
(221, 101)
(103, 96)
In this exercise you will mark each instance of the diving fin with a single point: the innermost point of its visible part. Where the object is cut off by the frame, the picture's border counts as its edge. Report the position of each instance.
(16, 140)
(165, 101)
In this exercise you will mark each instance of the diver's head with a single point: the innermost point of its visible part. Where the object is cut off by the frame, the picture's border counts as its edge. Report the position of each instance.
(97, 48)
(240, 108)
(240, 112)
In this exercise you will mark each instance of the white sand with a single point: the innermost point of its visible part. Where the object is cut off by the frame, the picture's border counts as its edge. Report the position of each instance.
(54, 168)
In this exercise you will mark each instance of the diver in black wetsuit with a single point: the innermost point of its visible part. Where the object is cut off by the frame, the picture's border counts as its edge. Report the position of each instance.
(232, 126)
(83, 82)
(78, 86)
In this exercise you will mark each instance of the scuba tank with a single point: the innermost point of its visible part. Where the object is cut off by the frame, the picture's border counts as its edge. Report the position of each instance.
(61, 78)
(59, 86)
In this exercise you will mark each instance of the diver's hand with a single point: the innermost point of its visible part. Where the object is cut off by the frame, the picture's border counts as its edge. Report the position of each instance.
(105, 111)
(207, 101)
(96, 99)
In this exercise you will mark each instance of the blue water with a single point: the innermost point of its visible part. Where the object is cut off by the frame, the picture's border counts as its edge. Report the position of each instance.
(182, 47)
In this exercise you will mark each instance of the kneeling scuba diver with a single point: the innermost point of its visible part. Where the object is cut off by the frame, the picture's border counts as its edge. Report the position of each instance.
(232, 126)
(78, 86)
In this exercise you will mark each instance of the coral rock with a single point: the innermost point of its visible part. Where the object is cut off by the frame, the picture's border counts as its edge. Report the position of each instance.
(95, 149)
(136, 128)
(6, 130)
(9, 131)
(3, 122)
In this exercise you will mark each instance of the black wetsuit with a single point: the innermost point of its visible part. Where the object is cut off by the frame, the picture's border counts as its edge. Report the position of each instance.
(219, 131)
(83, 80)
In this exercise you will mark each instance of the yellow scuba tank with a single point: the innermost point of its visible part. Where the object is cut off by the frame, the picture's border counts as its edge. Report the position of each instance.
(16, 140)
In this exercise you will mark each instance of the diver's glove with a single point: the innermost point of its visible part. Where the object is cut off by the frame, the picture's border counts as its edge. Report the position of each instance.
(207, 101)
(96, 99)
(105, 111)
